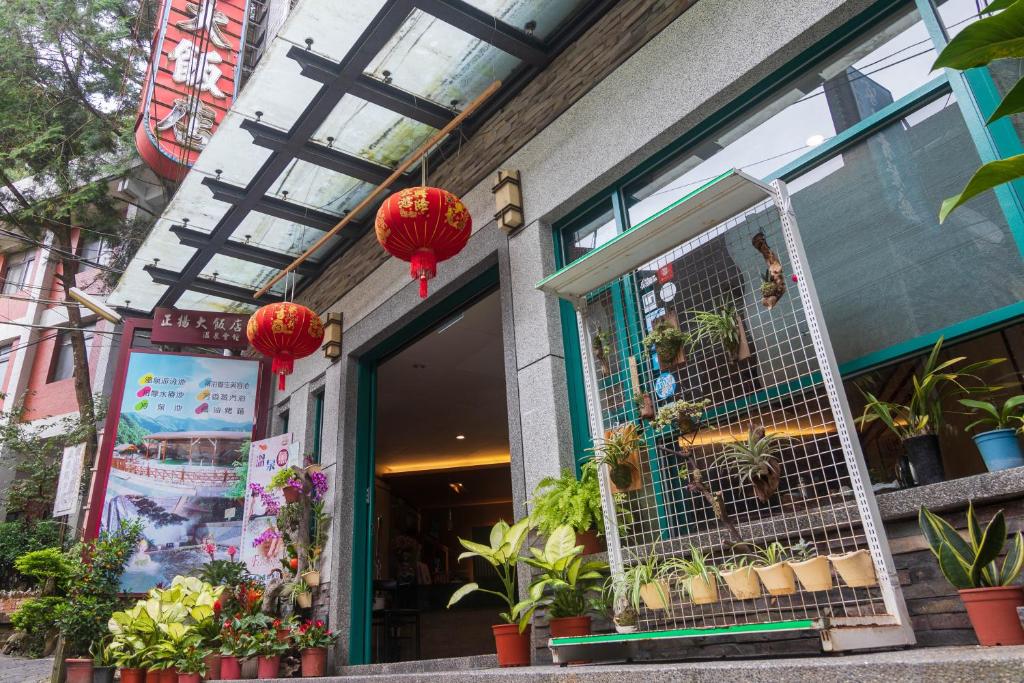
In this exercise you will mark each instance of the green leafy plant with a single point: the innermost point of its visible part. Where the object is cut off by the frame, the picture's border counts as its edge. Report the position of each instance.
(771, 554)
(802, 550)
(992, 417)
(995, 37)
(312, 634)
(684, 569)
(49, 567)
(756, 461)
(737, 562)
(190, 660)
(283, 476)
(641, 572)
(567, 586)
(267, 644)
(568, 500)
(718, 326)
(667, 340)
(615, 452)
(686, 415)
(936, 384)
(18, 537)
(36, 618)
(502, 553)
(971, 563)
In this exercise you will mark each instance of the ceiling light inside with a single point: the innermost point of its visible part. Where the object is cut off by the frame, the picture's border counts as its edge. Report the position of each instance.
(460, 437)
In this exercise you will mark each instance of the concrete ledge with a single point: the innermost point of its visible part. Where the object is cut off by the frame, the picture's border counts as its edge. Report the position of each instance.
(948, 665)
(952, 494)
(427, 665)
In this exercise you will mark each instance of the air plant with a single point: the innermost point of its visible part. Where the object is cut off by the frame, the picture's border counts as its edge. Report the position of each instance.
(755, 460)
(616, 451)
(685, 414)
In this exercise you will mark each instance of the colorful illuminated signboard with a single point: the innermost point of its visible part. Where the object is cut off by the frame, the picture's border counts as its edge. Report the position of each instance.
(191, 81)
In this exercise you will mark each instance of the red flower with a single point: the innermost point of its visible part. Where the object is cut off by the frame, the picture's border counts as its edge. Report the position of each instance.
(277, 623)
(794, 278)
(232, 550)
(319, 623)
(217, 607)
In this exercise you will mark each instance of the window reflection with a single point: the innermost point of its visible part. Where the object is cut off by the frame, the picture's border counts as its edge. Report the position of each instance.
(595, 229)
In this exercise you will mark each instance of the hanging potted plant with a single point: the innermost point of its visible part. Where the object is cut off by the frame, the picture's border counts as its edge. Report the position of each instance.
(300, 594)
(998, 444)
(855, 568)
(739, 575)
(647, 582)
(811, 569)
(698, 578)
(620, 453)
(918, 422)
(971, 566)
(572, 501)
(603, 350)
(774, 571)
(773, 283)
(722, 326)
(289, 480)
(686, 415)
(644, 405)
(313, 638)
(617, 598)
(669, 343)
(511, 638)
(569, 587)
(756, 461)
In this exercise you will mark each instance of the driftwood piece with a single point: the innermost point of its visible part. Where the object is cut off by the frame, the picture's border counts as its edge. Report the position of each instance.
(773, 285)
(695, 482)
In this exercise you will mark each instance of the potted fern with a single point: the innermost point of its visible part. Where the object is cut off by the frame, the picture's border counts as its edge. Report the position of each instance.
(620, 453)
(998, 444)
(669, 343)
(971, 566)
(572, 501)
(773, 569)
(756, 461)
(918, 422)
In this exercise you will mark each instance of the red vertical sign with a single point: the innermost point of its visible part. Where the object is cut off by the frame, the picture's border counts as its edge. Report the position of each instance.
(191, 81)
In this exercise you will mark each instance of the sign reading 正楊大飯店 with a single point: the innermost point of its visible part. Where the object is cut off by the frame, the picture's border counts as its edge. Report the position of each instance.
(191, 81)
(199, 328)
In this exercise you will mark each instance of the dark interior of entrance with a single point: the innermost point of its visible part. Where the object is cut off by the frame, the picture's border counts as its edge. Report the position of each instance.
(441, 473)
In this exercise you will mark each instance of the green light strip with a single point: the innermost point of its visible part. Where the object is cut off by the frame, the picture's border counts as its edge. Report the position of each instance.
(797, 625)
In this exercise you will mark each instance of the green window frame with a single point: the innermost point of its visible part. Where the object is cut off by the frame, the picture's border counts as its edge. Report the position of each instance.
(318, 425)
(977, 96)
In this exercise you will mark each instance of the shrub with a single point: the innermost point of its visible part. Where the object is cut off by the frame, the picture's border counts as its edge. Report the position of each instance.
(36, 618)
(19, 537)
(49, 567)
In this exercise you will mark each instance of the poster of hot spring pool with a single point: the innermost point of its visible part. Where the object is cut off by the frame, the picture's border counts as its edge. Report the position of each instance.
(179, 461)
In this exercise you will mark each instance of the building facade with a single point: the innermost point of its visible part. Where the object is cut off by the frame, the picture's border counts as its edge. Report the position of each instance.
(837, 98)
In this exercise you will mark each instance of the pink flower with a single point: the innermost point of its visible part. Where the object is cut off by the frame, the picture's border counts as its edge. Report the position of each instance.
(793, 277)
(232, 551)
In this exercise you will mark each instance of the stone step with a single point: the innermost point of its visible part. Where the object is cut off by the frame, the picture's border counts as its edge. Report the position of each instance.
(925, 665)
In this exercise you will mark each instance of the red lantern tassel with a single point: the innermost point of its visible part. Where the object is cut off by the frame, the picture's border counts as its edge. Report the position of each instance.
(423, 266)
(281, 366)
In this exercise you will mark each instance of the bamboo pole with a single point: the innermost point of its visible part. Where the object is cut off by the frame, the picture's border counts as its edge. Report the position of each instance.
(402, 168)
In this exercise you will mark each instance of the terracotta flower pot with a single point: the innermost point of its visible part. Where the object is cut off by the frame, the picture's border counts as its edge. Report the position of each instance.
(314, 661)
(292, 494)
(169, 676)
(78, 670)
(312, 578)
(133, 676)
(212, 661)
(153, 675)
(268, 667)
(778, 579)
(743, 583)
(993, 614)
(513, 647)
(703, 591)
(656, 595)
(304, 600)
(230, 668)
(814, 574)
(569, 627)
(283, 633)
(189, 678)
(856, 569)
(591, 542)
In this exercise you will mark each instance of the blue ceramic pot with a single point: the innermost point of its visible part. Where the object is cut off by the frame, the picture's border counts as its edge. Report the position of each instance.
(1000, 449)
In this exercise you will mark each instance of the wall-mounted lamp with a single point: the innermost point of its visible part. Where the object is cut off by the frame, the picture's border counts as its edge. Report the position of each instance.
(332, 336)
(508, 199)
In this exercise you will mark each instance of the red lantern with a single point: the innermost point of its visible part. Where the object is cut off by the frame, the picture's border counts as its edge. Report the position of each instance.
(423, 225)
(285, 331)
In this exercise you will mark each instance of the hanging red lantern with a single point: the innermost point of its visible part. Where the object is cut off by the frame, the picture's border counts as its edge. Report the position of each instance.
(423, 225)
(285, 331)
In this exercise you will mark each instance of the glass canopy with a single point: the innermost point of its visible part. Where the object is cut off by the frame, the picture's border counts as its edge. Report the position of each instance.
(298, 150)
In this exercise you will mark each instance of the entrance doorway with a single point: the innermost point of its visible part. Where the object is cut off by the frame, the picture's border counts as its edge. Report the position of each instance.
(441, 472)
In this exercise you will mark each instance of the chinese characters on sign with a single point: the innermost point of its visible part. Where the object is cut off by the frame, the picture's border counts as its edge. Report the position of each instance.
(200, 328)
(190, 82)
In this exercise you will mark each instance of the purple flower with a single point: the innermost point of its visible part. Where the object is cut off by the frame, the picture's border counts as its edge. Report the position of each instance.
(270, 503)
(319, 481)
(294, 483)
(268, 534)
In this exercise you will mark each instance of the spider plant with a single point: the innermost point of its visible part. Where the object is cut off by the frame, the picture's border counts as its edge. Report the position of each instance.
(755, 460)
(646, 581)
(934, 385)
(719, 326)
(615, 452)
(770, 555)
(698, 577)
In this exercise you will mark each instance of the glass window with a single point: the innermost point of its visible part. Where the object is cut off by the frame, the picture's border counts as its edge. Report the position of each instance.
(283, 418)
(17, 270)
(95, 249)
(318, 425)
(64, 360)
(884, 268)
(5, 358)
(589, 232)
(883, 450)
(827, 99)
